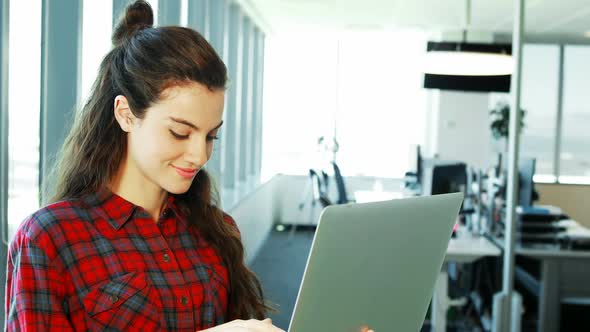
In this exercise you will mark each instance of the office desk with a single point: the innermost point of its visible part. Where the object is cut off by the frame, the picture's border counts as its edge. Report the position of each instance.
(465, 248)
(563, 276)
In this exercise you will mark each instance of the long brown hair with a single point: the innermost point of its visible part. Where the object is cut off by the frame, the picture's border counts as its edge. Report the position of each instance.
(142, 63)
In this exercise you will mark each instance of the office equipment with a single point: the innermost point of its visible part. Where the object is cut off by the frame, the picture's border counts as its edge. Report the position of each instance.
(526, 171)
(441, 177)
(539, 211)
(561, 250)
(536, 225)
(448, 179)
(412, 178)
(559, 247)
(357, 271)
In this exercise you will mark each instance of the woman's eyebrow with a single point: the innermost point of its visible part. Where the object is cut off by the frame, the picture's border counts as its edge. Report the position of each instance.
(185, 122)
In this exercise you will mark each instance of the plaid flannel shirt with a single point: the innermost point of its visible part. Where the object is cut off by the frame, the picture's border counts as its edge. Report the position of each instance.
(101, 263)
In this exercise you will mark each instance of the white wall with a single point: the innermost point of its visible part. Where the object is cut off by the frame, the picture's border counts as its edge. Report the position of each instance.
(459, 124)
(255, 215)
(458, 121)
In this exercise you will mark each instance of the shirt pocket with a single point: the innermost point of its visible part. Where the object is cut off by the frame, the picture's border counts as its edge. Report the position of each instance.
(124, 303)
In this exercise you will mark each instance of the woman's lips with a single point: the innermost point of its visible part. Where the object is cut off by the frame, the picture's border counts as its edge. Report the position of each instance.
(186, 173)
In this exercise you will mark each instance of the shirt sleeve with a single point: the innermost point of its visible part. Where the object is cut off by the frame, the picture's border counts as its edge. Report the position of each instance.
(35, 293)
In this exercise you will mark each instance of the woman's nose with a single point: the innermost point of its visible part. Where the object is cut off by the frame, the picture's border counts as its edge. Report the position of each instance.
(197, 154)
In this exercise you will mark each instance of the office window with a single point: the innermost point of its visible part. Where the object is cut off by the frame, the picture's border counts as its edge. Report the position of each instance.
(361, 87)
(299, 100)
(540, 80)
(23, 110)
(155, 4)
(97, 27)
(575, 155)
(381, 112)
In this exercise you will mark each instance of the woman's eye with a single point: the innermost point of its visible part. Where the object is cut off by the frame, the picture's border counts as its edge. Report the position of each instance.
(211, 138)
(178, 136)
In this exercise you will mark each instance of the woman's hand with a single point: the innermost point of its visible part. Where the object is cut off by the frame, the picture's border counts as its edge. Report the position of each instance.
(252, 325)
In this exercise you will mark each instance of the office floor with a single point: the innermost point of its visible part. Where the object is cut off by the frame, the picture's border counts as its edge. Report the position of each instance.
(280, 265)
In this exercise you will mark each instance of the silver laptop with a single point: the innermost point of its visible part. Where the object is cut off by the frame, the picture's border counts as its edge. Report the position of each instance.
(375, 265)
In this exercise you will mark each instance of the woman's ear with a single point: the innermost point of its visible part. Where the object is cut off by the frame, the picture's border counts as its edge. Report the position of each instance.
(123, 113)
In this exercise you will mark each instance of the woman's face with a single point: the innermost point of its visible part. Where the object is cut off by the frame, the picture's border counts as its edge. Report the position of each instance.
(175, 138)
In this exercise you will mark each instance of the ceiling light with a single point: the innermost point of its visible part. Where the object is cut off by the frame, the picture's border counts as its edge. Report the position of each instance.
(468, 59)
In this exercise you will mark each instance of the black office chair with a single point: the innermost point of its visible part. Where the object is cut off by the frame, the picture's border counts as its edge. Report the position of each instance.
(340, 186)
(319, 189)
(318, 185)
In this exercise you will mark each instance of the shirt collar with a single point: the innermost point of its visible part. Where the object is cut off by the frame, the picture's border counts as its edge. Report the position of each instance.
(173, 206)
(117, 211)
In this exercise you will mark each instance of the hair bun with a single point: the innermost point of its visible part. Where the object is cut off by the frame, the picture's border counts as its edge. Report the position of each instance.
(137, 16)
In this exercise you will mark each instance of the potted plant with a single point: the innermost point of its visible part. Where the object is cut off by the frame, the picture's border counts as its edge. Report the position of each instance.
(500, 122)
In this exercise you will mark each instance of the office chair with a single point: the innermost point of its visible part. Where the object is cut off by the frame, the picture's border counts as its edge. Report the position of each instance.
(318, 185)
(319, 189)
(340, 186)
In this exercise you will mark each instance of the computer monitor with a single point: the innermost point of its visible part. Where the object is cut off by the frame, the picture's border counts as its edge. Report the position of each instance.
(526, 171)
(448, 178)
(444, 177)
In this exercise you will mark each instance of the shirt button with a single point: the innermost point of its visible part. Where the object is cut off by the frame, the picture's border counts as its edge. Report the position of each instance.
(166, 258)
(184, 300)
(113, 298)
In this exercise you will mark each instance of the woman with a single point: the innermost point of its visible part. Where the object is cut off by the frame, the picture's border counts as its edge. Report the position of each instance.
(132, 238)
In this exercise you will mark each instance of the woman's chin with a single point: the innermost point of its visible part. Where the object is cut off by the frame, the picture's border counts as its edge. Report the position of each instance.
(178, 189)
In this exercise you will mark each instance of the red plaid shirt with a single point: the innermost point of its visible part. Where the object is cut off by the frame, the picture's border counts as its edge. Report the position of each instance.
(101, 263)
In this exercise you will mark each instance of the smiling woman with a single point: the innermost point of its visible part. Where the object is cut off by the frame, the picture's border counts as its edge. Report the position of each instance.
(175, 137)
(132, 237)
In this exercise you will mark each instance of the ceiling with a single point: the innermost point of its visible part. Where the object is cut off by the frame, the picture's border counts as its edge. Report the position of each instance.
(544, 18)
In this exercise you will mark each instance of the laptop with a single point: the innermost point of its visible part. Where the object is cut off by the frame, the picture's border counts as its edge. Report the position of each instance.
(375, 265)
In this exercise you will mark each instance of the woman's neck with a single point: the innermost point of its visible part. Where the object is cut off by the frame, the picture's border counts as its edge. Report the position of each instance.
(131, 185)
